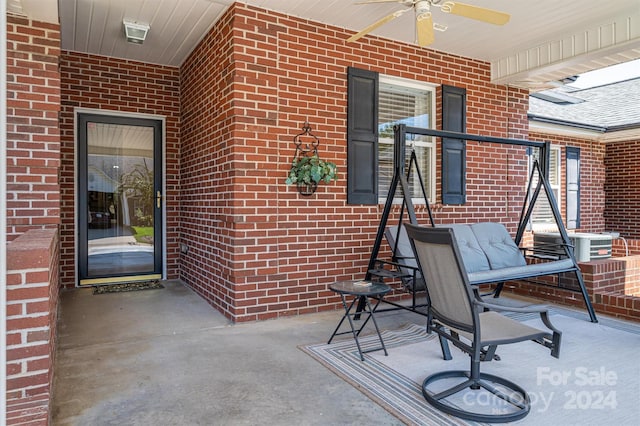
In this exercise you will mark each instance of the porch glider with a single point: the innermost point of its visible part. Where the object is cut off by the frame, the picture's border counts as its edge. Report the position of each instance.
(489, 253)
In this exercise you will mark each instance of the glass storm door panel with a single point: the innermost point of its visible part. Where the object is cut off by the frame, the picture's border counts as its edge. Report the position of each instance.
(119, 199)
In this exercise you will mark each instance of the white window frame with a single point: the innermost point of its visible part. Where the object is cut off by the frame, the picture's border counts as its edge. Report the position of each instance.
(555, 181)
(430, 177)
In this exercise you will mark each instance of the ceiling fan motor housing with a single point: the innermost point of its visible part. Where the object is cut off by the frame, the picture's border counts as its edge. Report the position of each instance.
(422, 7)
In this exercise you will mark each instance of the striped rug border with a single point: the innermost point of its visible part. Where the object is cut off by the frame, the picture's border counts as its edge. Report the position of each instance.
(396, 393)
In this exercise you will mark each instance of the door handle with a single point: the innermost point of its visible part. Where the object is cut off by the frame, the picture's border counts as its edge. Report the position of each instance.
(158, 199)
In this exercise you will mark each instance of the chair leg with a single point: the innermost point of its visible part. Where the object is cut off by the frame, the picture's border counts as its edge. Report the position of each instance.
(498, 290)
(444, 343)
(475, 370)
(489, 354)
(517, 402)
(585, 296)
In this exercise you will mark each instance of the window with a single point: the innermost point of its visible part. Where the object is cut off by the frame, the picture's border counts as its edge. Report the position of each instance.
(572, 193)
(542, 215)
(412, 103)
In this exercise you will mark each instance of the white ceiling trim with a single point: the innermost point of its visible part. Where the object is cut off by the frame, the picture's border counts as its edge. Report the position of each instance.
(569, 131)
(614, 42)
(621, 136)
(575, 132)
(38, 10)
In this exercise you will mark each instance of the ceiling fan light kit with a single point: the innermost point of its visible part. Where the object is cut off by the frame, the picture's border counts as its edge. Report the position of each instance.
(424, 21)
(422, 7)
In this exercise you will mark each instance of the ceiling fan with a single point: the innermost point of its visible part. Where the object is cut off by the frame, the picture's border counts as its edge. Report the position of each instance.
(424, 22)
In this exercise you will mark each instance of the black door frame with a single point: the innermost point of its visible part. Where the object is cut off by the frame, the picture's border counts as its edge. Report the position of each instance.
(157, 123)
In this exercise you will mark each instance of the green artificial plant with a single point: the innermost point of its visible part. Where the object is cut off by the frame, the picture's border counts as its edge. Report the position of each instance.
(311, 170)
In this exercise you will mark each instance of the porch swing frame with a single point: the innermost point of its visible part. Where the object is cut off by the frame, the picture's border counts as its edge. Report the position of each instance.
(400, 178)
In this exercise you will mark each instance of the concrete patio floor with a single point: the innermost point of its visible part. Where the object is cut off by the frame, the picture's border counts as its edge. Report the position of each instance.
(165, 357)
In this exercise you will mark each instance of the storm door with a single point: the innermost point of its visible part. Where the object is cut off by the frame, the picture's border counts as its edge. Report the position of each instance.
(119, 199)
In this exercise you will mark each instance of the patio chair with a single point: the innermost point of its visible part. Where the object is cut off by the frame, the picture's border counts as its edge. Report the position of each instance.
(462, 319)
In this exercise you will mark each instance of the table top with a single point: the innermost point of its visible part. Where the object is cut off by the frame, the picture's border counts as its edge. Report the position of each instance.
(360, 288)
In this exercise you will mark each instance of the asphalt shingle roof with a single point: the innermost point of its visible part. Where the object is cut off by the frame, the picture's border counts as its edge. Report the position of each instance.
(611, 106)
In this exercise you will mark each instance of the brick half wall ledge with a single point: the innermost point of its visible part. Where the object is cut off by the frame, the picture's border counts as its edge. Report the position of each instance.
(32, 301)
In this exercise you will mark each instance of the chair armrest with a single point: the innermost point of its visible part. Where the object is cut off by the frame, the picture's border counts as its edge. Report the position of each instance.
(551, 245)
(398, 264)
(525, 309)
(554, 344)
(405, 257)
(551, 250)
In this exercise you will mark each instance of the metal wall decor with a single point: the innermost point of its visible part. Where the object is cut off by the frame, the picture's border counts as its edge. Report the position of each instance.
(307, 169)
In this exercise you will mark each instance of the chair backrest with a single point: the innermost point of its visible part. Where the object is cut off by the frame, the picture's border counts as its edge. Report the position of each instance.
(450, 295)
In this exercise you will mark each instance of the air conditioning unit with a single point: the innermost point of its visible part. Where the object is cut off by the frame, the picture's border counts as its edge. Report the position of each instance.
(587, 246)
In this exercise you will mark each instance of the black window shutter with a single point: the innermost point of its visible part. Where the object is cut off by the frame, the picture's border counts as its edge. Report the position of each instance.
(454, 101)
(362, 137)
(573, 187)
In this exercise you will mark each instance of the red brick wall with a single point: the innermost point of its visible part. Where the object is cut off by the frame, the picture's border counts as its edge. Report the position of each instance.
(615, 286)
(111, 84)
(32, 301)
(33, 215)
(592, 178)
(33, 136)
(257, 249)
(208, 169)
(622, 186)
(624, 246)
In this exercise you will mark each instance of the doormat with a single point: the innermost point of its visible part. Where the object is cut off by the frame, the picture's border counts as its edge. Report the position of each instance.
(124, 287)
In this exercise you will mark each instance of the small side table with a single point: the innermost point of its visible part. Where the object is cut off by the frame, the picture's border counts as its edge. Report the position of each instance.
(359, 292)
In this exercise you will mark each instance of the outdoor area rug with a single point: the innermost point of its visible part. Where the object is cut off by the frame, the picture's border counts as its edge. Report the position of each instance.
(123, 287)
(595, 381)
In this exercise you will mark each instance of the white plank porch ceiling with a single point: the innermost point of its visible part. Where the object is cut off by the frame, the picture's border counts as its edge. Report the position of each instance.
(544, 40)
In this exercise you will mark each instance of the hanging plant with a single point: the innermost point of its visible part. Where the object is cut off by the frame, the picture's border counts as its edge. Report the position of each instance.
(308, 171)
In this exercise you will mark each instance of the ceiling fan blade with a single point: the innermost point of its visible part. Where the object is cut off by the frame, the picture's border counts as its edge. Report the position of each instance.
(375, 25)
(424, 26)
(474, 12)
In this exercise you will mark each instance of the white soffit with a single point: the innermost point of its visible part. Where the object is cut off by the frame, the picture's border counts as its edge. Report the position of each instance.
(601, 46)
(176, 27)
(545, 40)
(38, 10)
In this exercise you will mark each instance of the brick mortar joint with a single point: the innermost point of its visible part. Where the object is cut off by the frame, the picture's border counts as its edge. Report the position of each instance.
(27, 271)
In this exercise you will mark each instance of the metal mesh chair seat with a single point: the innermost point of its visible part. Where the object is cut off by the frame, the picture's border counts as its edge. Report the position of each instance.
(495, 327)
